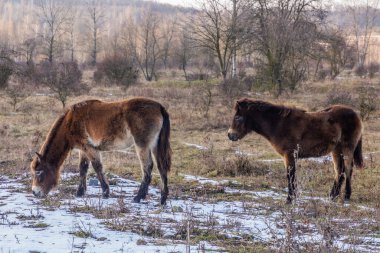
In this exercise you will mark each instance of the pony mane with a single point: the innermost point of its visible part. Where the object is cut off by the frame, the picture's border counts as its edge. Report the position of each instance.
(267, 107)
(51, 135)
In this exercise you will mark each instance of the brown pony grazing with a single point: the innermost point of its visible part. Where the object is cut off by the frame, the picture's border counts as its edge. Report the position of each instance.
(296, 133)
(93, 126)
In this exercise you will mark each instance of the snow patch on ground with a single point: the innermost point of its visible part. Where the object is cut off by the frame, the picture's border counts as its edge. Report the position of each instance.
(200, 147)
(26, 225)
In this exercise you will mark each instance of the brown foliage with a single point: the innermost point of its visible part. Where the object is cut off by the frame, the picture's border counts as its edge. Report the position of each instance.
(117, 69)
(64, 79)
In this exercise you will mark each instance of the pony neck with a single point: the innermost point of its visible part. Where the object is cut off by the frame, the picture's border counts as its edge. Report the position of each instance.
(56, 147)
(265, 123)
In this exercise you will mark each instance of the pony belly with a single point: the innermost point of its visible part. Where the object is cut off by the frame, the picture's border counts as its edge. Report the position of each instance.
(121, 143)
(321, 149)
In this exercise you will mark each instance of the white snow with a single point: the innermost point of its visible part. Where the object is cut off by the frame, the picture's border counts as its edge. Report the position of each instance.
(234, 219)
(16, 235)
(200, 147)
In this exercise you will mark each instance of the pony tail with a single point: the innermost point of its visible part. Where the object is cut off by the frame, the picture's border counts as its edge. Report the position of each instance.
(164, 151)
(358, 155)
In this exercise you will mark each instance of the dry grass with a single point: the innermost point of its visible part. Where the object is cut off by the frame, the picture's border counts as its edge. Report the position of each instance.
(22, 133)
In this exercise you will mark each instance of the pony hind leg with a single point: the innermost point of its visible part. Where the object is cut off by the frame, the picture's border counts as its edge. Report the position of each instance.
(338, 160)
(146, 163)
(83, 168)
(164, 177)
(348, 164)
(96, 162)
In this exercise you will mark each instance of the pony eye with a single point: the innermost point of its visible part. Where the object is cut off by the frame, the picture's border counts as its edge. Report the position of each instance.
(239, 119)
(40, 175)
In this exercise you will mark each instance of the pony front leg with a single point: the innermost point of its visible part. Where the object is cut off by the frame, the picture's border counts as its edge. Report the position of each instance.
(146, 163)
(291, 175)
(83, 168)
(98, 167)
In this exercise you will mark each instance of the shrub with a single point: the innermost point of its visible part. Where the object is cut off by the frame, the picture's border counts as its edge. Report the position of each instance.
(339, 97)
(367, 102)
(117, 69)
(64, 79)
(197, 76)
(17, 92)
(234, 88)
(248, 81)
(322, 74)
(373, 68)
(360, 70)
(241, 165)
(6, 67)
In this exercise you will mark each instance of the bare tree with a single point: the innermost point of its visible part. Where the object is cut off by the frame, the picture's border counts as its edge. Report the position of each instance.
(17, 92)
(6, 65)
(168, 31)
(72, 37)
(284, 32)
(218, 27)
(363, 21)
(144, 41)
(28, 49)
(337, 52)
(184, 50)
(95, 23)
(54, 16)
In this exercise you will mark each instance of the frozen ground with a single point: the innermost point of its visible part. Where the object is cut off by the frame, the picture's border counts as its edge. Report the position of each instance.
(25, 225)
(63, 223)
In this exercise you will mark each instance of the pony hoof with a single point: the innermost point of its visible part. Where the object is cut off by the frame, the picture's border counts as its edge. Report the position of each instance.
(80, 192)
(136, 199)
(163, 200)
(288, 201)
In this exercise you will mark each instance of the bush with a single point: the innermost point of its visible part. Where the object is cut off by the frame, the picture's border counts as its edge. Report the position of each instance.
(248, 82)
(6, 67)
(339, 97)
(17, 92)
(64, 79)
(322, 74)
(360, 70)
(367, 102)
(241, 165)
(197, 76)
(117, 69)
(373, 68)
(234, 88)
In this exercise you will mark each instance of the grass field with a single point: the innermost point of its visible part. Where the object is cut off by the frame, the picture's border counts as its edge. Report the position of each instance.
(236, 202)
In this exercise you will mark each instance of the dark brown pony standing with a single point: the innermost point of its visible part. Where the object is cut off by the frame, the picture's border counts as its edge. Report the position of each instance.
(336, 130)
(93, 126)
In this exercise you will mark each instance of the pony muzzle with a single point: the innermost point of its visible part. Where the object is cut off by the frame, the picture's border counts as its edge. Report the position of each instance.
(232, 135)
(37, 191)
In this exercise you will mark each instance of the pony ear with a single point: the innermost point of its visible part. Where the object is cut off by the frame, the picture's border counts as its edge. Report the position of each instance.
(241, 104)
(39, 156)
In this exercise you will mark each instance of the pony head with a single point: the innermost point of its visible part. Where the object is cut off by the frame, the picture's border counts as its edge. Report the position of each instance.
(239, 127)
(43, 176)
